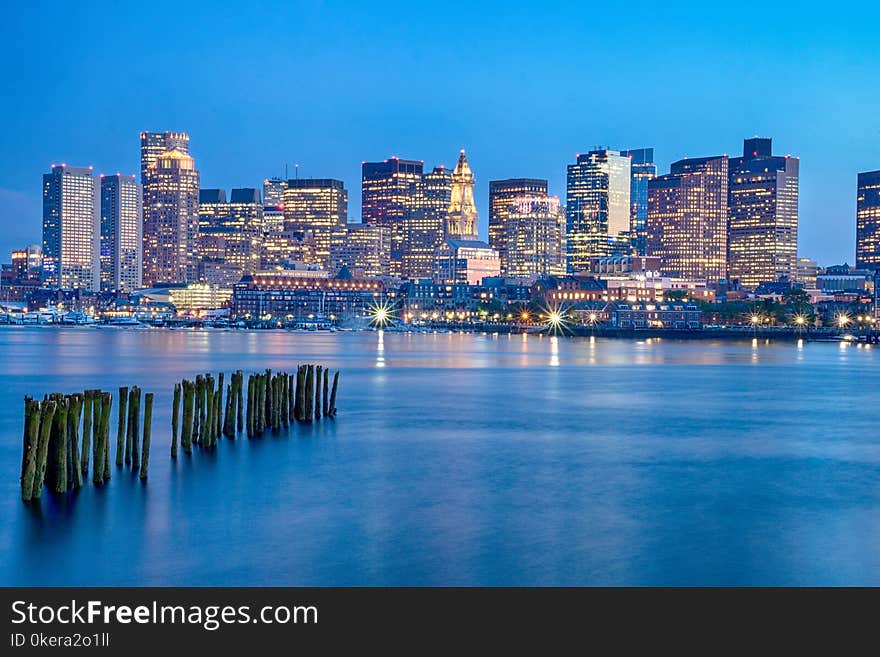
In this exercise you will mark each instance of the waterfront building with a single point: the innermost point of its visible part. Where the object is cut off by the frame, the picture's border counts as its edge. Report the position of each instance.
(461, 217)
(868, 220)
(534, 240)
(642, 170)
(466, 261)
(70, 229)
(27, 263)
(285, 249)
(318, 206)
(189, 297)
(170, 209)
(597, 207)
(121, 234)
(502, 194)
(424, 226)
(681, 316)
(304, 295)
(389, 198)
(687, 219)
(364, 249)
(762, 215)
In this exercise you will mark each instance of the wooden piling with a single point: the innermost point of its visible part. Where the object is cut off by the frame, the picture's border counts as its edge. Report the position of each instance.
(319, 375)
(129, 427)
(300, 393)
(98, 475)
(291, 397)
(74, 471)
(175, 411)
(96, 431)
(31, 443)
(107, 400)
(136, 430)
(333, 394)
(58, 449)
(310, 393)
(148, 419)
(47, 415)
(188, 406)
(120, 426)
(239, 412)
(249, 409)
(88, 403)
(326, 398)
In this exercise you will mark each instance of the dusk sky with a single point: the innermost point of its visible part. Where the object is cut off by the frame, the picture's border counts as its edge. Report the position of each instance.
(522, 86)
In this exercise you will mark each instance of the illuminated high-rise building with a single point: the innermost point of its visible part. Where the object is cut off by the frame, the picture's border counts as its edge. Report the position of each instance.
(388, 198)
(27, 263)
(318, 206)
(461, 217)
(365, 249)
(153, 144)
(502, 194)
(121, 234)
(598, 207)
(643, 170)
(70, 229)
(762, 231)
(213, 208)
(534, 238)
(273, 191)
(171, 218)
(687, 219)
(868, 221)
(424, 225)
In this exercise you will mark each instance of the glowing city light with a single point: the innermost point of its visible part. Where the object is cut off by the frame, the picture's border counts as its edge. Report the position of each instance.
(800, 320)
(843, 319)
(381, 314)
(756, 319)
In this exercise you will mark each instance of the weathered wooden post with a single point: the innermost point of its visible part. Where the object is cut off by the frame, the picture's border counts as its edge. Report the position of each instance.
(250, 406)
(291, 397)
(326, 408)
(239, 413)
(175, 410)
(199, 410)
(285, 396)
(129, 427)
(120, 426)
(188, 405)
(96, 430)
(58, 449)
(31, 443)
(103, 438)
(88, 403)
(47, 416)
(107, 402)
(310, 393)
(74, 471)
(319, 375)
(215, 426)
(333, 394)
(136, 431)
(148, 419)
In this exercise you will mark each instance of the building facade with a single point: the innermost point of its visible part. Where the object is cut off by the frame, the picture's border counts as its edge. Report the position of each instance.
(170, 208)
(121, 247)
(319, 207)
(534, 238)
(461, 217)
(466, 261)
(424, 226)
(503, 194)
(687, 219)
(642, 170)
(364, 249)
(70, 229)
(868, 221)
(762, 215)
(597, 207)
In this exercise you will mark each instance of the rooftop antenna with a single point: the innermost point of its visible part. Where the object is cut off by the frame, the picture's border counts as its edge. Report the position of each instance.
(296, 170)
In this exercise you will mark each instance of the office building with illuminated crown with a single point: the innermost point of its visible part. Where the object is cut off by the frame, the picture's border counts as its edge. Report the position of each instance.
(762, 231)
(70, 229)
(642, 170)
(868, 221)
(534, 239)
(461, 217)
(170, 184)
(687, 219)
(121, 247)
(597, 207)
(502, 194)
(388, 198)
(319, 207)
(425, 225)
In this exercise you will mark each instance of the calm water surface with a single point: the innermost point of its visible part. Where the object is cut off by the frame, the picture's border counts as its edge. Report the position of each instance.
(468, 459)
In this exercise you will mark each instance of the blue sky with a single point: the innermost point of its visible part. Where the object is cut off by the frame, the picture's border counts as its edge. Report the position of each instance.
(522, 86)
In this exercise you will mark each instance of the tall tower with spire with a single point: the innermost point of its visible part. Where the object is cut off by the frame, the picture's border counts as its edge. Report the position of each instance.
(461, 218)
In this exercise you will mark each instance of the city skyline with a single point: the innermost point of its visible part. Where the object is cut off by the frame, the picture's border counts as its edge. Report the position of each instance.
(329, 124)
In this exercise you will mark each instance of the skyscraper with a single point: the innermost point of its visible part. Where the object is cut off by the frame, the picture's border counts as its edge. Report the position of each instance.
(502, 194)
(687, 219)
(534, 238)
(762, 230)
(365, 250)
(643, 169)
(273, 191)
(121, 234)
(318, 206)
(461, 218)
(597, 207)
(171, 218)
(424, 226)
(213, 208)
(868, 221)
(70, 229)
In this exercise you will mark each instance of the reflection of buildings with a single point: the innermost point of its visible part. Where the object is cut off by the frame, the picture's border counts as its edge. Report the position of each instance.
(301, 293)
(762, 215)
(70, 229)
(868, 221)
(598, 207)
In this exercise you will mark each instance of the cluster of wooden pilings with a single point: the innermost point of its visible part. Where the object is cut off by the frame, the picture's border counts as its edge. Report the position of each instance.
(57, 455)
(201, 413)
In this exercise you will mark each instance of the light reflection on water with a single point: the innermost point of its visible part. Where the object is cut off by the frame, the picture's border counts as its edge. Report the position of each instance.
(469, 459)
